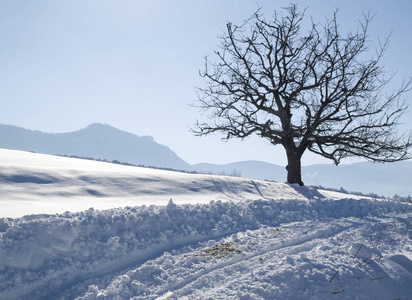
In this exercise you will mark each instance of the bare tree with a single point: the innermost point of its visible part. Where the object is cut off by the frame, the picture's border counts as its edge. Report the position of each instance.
(318, 91)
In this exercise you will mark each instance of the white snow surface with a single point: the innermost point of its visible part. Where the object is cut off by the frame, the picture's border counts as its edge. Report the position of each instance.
(251, 240)
(32, 183)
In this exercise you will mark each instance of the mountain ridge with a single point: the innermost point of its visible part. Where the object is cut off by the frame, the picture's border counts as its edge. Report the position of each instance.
(100, 141)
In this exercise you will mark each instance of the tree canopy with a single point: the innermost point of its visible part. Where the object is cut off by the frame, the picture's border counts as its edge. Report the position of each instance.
(305, 88)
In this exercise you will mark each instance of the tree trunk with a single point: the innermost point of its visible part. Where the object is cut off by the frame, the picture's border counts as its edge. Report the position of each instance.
(294, 168)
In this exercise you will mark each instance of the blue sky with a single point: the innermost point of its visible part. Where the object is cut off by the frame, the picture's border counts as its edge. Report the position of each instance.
(134, 65)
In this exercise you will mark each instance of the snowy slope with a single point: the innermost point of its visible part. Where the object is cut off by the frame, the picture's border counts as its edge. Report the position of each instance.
(32, 183)
(284, 243)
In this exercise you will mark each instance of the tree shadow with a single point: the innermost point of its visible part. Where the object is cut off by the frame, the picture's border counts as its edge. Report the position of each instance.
(308, 192)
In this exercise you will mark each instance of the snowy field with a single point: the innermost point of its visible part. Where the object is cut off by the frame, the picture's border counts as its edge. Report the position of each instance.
(219, 238)
(34, 183)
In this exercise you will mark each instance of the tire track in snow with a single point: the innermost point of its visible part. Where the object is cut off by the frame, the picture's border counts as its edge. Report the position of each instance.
(302, 243)
(118, 267)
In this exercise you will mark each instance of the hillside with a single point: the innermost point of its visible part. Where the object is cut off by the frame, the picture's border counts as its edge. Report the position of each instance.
(33, 183)
(99, 141)
(219, 238)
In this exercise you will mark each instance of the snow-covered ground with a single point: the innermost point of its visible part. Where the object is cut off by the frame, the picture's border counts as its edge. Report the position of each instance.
(219, 238)
(34, 183)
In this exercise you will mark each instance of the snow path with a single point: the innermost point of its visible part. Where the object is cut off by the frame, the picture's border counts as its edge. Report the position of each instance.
(62, 255)
(125, 264)
(267, 273)
(266, 260)
(298, 245)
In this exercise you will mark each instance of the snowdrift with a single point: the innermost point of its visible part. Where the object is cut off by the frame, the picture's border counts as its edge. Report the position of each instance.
(147, 251)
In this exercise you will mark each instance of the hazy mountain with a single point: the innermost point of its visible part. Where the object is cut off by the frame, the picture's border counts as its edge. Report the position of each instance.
(382, 179)
(98, 141)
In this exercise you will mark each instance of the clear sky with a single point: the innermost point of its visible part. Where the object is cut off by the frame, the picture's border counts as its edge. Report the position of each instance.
(134, 64)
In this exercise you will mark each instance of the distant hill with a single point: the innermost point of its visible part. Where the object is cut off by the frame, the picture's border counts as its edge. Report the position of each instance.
(251, 168)
(99, 141)
(382, 179)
